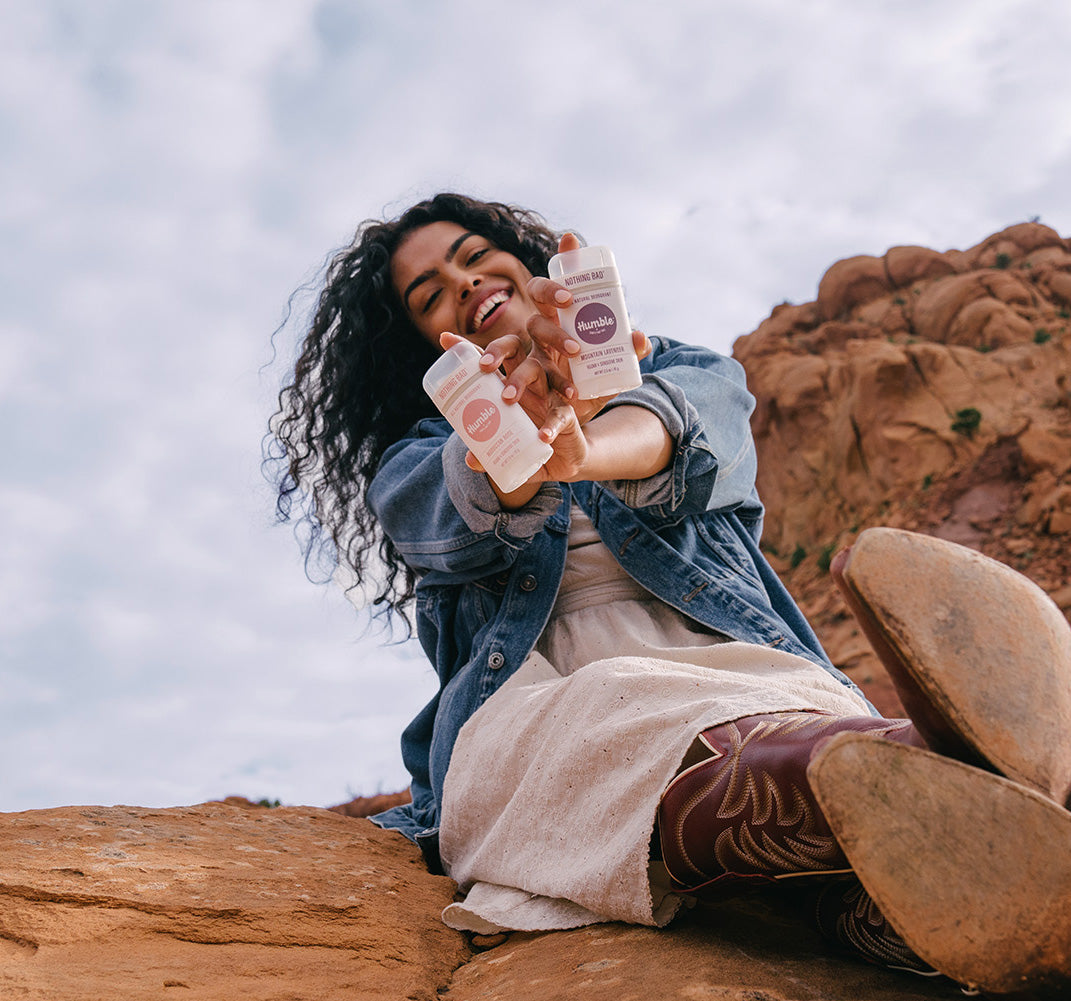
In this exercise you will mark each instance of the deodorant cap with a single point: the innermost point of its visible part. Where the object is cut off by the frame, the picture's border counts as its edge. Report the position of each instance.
(453, 358)
(583, 259)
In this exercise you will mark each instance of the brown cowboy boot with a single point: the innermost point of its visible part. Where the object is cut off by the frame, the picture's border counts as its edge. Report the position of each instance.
(847, 916)
(746, 810)
(972, 870)
(979, 654)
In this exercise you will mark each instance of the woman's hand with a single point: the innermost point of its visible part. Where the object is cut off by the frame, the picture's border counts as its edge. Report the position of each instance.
(538, 378)
(529, 386)
(540, 367)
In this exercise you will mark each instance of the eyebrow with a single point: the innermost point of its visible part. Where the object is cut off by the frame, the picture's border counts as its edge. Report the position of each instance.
(431, 272)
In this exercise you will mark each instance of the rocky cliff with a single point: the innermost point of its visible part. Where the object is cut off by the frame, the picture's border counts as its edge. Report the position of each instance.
(921, 389)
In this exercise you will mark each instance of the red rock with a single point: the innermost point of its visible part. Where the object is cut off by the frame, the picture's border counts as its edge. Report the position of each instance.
(217, 903)
(907, 265)
(903, 398)
(848, 283)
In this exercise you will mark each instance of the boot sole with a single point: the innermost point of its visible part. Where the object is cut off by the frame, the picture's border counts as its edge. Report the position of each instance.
(979, 654)
(973, 870)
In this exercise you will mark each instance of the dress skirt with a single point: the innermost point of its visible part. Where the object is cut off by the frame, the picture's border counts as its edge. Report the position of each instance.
(549, 802)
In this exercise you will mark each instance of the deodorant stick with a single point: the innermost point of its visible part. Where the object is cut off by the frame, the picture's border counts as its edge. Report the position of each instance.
(598, 319)
(503, 438)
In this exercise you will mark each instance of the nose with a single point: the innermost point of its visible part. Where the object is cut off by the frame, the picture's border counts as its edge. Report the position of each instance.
(466, 286)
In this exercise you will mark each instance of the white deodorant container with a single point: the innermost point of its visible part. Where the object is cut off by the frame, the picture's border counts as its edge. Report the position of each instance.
(598, 319)
(502, 437)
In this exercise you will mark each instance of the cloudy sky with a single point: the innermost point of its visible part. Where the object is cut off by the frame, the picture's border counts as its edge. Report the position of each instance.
(172, 171)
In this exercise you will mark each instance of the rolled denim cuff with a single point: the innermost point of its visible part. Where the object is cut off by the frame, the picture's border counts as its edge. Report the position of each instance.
(692, 457)
(477, 503)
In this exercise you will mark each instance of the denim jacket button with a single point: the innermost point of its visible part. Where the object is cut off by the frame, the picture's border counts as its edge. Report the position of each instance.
(528, 583)
(496, 660)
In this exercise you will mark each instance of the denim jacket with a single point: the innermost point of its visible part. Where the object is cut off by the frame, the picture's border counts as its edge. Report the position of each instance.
(489, 577)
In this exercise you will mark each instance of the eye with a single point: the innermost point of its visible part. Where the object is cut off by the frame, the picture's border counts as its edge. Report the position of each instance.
(475, 256)
(430, 301)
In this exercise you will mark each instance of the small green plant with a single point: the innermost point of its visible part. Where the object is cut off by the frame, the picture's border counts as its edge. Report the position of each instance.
(899, 301)
(927, 481)
(799, 554)
(966, 421)
(1003, 261)
(1041, 335)
(269, 804)
(984, 348)
(825, 557)
(1065, 313)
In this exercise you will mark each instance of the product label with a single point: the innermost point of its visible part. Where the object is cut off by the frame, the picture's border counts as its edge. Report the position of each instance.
(584, 277)
(447, 387)
(481, 419)
(595, 323)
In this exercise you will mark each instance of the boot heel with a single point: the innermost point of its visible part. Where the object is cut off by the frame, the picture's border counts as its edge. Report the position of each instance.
(973, 870)
(979, 654)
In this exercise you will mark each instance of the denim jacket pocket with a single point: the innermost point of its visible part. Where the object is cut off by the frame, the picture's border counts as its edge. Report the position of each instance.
(728, 552)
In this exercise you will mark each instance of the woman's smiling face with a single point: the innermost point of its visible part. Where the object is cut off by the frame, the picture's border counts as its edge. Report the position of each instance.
(450, 278)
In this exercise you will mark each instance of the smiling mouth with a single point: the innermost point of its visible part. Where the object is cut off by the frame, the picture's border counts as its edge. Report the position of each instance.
(488, 307)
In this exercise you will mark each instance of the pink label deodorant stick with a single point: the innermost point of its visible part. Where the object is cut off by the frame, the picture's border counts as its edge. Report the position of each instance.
(598, 319)
(503, 438)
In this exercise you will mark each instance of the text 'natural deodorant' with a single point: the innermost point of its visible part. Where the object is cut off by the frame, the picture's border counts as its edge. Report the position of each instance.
(598, 319)
(502, 437)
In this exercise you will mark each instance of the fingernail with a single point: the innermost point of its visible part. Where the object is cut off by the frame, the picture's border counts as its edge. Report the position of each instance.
(562, 296)
(486, 357)
(572, 347)
(570, 392)
(509, 392)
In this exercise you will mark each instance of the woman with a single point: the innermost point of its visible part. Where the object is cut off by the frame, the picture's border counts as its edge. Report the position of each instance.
(614, 652)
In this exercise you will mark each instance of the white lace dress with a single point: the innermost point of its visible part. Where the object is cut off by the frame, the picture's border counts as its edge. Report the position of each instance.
(549, 802)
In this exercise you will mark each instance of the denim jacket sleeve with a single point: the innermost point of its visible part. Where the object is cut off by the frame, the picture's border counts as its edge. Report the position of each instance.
(443, 516)
(702, 399)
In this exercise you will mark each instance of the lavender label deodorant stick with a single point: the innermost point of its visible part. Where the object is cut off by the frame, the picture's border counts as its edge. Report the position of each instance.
(598, 319)
(503, 438)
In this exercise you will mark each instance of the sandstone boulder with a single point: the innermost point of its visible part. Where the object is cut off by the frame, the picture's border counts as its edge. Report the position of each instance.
(217, 902)
(923, 390)
(225, 902)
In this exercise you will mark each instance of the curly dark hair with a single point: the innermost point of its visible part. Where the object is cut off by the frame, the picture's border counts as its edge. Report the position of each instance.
(357, 388)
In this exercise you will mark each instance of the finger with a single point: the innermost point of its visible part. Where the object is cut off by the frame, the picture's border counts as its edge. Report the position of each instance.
(561, 381)
(549, 296)
(506, 352)
(473, 463)
(550, 336)
(529, 376)
(557, 420)
(641, 344)
(447, 339)
(568, 242)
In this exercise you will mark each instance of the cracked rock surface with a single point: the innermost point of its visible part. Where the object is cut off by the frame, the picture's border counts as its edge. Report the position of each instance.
(216, 902)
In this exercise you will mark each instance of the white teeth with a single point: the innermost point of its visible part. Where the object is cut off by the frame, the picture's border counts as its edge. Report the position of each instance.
(495, 299)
